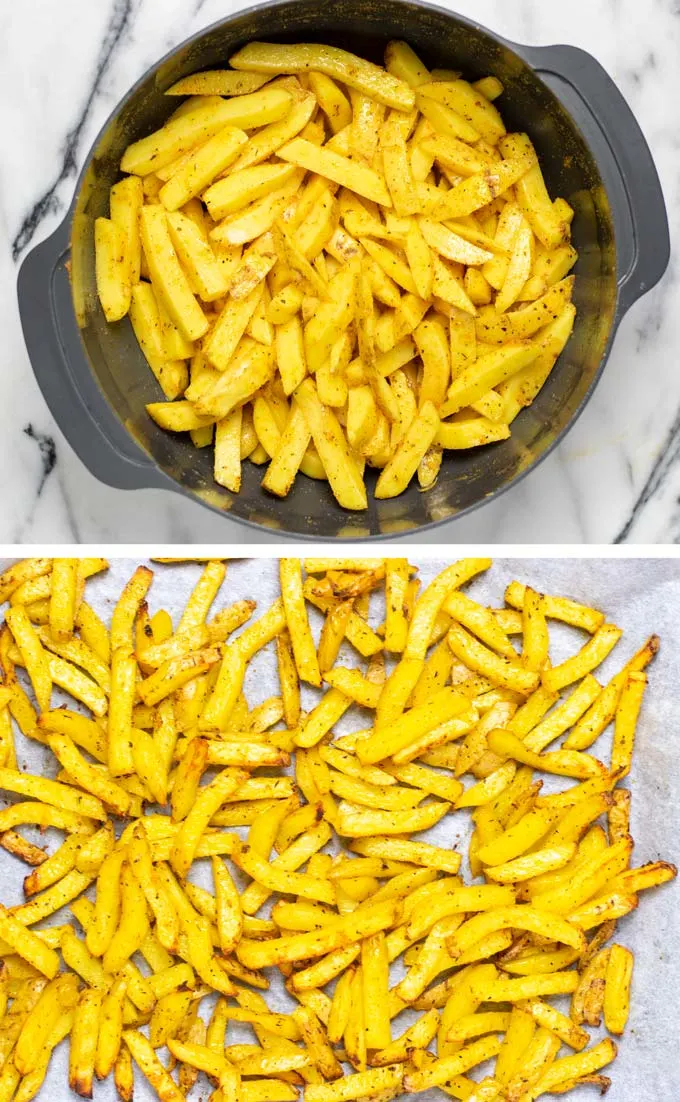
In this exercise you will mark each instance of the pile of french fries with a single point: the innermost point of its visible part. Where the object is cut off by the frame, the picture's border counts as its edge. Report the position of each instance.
(329, 264)
(161, 762)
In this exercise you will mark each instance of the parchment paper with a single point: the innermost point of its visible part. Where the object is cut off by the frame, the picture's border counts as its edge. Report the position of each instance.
(642, 596)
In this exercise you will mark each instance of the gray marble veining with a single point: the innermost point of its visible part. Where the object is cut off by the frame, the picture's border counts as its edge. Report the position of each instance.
(63, 68)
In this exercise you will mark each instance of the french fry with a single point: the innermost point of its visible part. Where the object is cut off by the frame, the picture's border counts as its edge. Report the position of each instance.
(532, 195)
(583, 1063)
(168, 1016)
(450, 245)
(203, 960)
(403, 62)
(123, 1074)
(627, 714)
(333, 62)
(208, 800)
(258, 198)
(229, 915)
(133, 926)
(372, 1083)
(13, 843)
(274, 879)
(211, 159)
(337, 168)
(83, 1049)
(314, 1036)
(227, 465)
(52, 792)
(467, 102)
(489, 371)
(123, 675)
(176, 672)
(148, 1063)
(337, 935)
(483, 661)
(63, 599)
(567, 763)
(617, 988)
(331, 443)
(359, 822)
(110, 1031)
(589, 658)
(168, 276)
(553, 872)
(443, 1070)
(33, 655)
(217, 82)
(28, 946)
(203, 268)
(88, 776)
(112, 269)
(60, 995)
(384, 742)
(332, 101)
(402, 466)
(192, 125)
(167, 920)
(236, 190)
(559, 608)
(304, 649)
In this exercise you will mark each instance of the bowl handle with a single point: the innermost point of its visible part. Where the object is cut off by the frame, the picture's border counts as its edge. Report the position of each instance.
(625, 161)
(64, 376)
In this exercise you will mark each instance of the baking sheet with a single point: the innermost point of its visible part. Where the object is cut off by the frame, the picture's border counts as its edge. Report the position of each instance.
(642, 596)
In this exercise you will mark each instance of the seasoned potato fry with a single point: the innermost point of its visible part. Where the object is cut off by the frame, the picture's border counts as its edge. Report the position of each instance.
(617, 988)
(28, 945)
(251, 367)
(209, 161)
(411, 194)
(377, 172)
(88, 776)
(402, 62)
(114, 286)
(333, 842)
(270, 138)
(84, 1042)
(217, 82)
(199, 125)
(332, 100)
(208, 800)
(490, 370)
(147, 1061)
(589, 658)
(354, 72)
(509, 675)
(399, 471)
(198, 259)
(304, 649)
(167, 274)
(238, 189)
(466, 101)
(337, 168)
(172, 375)
(63, 599)
(331, 444)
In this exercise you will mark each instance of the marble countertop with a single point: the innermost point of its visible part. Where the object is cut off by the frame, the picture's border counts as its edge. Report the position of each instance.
(64, 67)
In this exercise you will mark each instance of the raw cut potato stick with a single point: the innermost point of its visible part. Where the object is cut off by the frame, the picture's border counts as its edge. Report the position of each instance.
(334, 267)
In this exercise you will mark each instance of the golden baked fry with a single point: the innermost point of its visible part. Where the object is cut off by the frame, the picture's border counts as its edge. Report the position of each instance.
(166, 772)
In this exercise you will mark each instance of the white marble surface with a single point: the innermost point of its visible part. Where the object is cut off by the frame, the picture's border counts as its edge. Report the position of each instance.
(63, 67)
